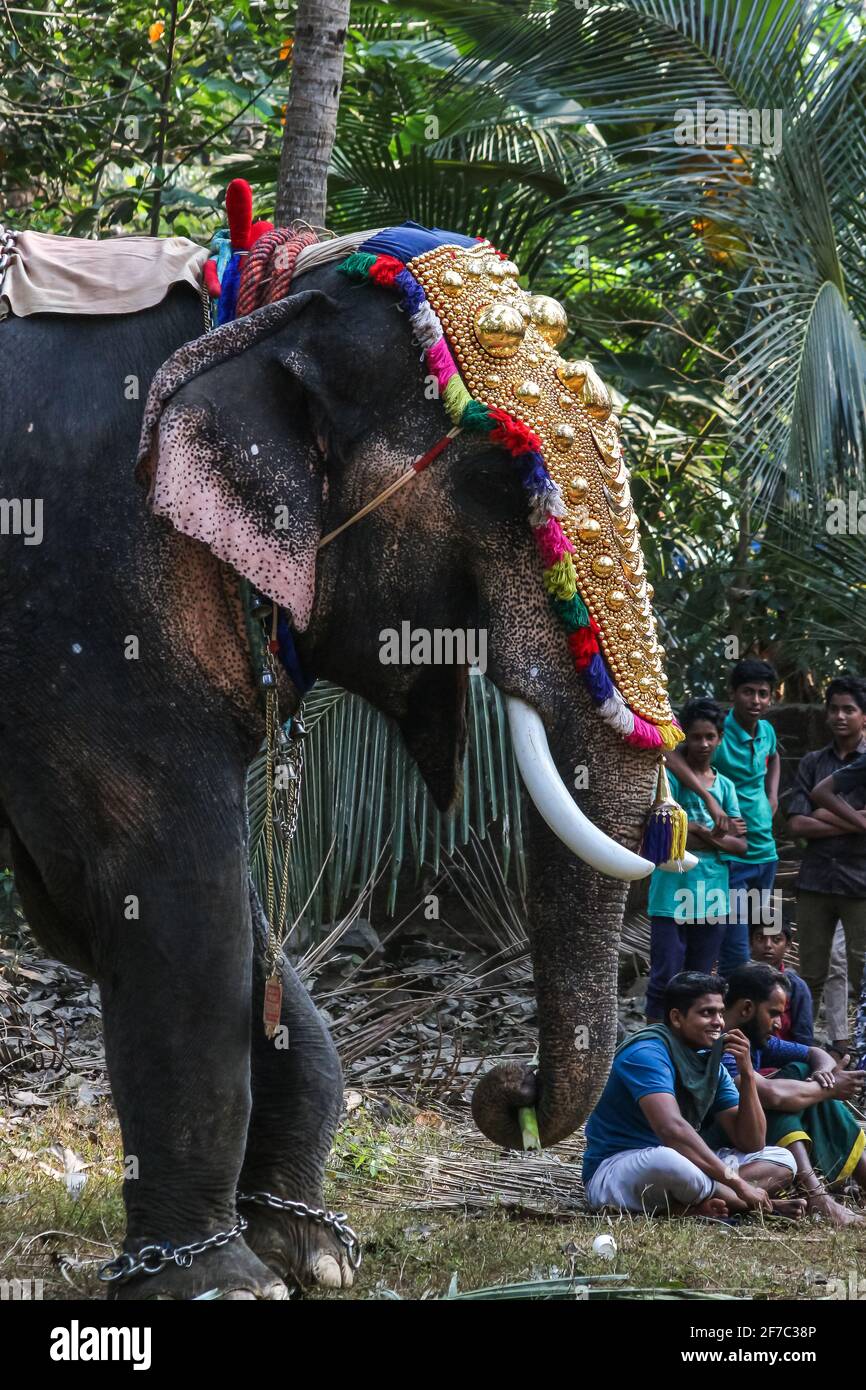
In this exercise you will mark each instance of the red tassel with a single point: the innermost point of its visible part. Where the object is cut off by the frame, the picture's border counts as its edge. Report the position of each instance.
(513, 435)
(385, 270)
(584, 645)
(239, 210)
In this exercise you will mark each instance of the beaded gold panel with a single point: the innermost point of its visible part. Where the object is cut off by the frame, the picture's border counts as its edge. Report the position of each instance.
(504, 341)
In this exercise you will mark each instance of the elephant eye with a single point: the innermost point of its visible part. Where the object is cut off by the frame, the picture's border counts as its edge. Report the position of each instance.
(486, 486)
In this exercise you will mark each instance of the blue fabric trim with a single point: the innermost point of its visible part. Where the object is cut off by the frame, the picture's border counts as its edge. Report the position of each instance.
(289, 656)
(410, 239)
(231, 283)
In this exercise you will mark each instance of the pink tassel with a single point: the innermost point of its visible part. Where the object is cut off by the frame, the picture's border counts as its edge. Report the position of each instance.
(552, 542)
(644, 736)
(441, 363)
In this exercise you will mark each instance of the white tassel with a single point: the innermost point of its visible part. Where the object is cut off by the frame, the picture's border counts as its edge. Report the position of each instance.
(615, 712)
(426, 328)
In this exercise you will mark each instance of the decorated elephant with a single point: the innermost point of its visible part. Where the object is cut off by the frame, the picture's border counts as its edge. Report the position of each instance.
(132, 698)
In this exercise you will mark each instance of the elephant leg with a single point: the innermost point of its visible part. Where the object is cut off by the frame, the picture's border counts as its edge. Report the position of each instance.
(297, 1093)
(175, 977)
(60, 930)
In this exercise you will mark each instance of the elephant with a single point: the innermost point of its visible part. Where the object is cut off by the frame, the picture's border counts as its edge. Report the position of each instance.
(131, 710)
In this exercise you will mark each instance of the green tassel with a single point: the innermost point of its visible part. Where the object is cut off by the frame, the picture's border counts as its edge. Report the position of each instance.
(476, 416)
(559, 580)
(572, 612)
(357, 265)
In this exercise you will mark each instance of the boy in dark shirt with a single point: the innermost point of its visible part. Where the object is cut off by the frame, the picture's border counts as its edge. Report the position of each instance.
(831, 885)
(847, 781)
(768, 948)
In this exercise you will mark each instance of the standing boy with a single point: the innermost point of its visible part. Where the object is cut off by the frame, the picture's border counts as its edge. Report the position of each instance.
(831, 886)
(747, 756)
(688, 912)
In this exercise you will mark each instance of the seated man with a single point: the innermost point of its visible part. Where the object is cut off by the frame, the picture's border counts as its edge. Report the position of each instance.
(768, 947)
(644, 1152)
(803, 1099)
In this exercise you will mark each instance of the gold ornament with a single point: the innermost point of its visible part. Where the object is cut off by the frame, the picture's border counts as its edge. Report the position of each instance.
(451, 282)
(636, 658)
(603, 566)
(499, 329)
(577, 488)
(499, 347)
(549, 318)
(527, 390)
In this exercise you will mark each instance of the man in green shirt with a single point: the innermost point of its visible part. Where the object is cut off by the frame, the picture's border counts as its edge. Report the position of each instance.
(747, 756)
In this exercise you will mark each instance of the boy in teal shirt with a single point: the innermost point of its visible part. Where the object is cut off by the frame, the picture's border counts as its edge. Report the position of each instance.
(747, 756)
(689, 912)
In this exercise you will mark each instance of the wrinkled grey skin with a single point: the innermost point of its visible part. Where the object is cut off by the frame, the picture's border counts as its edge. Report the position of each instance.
(122, 780)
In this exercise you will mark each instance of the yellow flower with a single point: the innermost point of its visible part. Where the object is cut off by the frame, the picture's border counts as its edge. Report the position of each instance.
(156, 31)
(286, 50)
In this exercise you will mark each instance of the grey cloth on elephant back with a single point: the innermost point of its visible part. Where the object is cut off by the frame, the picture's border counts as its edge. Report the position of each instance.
(122, 275)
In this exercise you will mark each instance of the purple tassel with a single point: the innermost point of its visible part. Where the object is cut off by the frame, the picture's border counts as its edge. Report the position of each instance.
(533, 474)
(411, 294)
(658, 839)
(598, 682)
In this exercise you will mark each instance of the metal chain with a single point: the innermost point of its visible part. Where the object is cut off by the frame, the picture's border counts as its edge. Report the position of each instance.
(337, 1221)
(151, 1258)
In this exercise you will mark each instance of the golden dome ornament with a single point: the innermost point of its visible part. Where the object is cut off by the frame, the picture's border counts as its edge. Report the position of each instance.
(582, 378)
(527, 390)
(499, 328)
(451, 282)
(589, 530)
(563, 436)
(577, 488)
(603, 566)
(549, 318)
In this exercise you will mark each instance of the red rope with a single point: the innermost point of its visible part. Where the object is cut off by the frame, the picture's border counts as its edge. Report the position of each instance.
(268, 269)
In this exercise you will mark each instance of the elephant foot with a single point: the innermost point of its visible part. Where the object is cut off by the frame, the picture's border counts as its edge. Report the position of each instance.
(231, 1272)
(301, 1251)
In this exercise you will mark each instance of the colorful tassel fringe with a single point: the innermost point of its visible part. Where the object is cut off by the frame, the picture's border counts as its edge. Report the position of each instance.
(665, 833)
(667, 827)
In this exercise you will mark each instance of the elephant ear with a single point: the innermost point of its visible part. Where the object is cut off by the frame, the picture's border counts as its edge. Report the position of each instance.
(228, 454)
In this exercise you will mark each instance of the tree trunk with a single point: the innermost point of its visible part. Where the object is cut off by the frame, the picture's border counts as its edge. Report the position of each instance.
(311, 113)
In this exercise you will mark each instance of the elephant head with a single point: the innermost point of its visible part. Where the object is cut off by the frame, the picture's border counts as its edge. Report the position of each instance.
(274, 430)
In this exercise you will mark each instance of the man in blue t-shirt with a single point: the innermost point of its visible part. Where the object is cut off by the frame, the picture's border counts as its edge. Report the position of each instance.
(644, 1149)
(803, 1098)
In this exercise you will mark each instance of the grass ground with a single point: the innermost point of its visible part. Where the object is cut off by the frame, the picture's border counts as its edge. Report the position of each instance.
(392, 1170)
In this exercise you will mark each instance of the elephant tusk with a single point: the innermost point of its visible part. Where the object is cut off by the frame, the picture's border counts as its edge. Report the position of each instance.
(556, 806)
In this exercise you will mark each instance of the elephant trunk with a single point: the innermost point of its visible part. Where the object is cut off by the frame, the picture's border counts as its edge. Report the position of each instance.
(575, 919)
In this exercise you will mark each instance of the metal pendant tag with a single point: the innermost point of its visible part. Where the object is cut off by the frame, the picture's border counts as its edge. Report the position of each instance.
(273, 1004)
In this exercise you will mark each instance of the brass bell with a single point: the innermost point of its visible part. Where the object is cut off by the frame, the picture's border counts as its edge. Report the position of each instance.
(499, 329)
(549, 318)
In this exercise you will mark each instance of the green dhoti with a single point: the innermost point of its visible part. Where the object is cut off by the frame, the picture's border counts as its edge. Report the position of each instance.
(836, 1139)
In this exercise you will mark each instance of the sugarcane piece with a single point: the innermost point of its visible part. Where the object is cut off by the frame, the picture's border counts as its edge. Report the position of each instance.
(528, 1121)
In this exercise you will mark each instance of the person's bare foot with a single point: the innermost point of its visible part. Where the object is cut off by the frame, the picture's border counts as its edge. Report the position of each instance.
(822, 1204)
(793, 1207)
(715, 1207)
